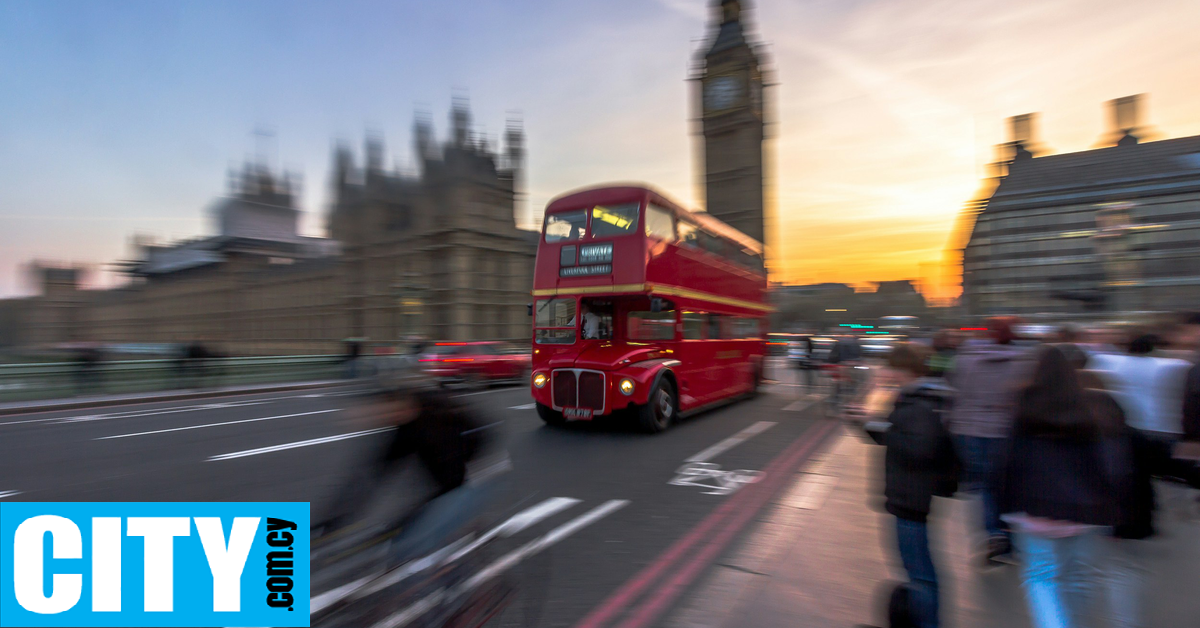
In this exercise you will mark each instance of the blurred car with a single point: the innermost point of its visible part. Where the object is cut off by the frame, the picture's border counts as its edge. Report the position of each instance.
(476, 364)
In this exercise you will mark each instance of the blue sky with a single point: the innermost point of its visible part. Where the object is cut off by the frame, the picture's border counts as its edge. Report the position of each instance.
(123, 117)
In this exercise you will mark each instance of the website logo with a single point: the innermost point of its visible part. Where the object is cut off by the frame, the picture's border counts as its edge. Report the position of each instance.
(154, 564)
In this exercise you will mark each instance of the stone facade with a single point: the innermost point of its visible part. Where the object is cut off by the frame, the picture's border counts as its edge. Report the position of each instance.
(1110, 230)
(436, 255)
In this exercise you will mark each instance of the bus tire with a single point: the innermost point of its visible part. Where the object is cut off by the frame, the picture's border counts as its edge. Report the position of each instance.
(550, 416)
(755, 381)
(660, 408)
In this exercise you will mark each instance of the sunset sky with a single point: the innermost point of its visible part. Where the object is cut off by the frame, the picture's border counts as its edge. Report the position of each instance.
(120, 118)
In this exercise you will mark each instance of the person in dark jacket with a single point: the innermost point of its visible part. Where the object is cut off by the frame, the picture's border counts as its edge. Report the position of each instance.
(920, 463)
(1061, 490)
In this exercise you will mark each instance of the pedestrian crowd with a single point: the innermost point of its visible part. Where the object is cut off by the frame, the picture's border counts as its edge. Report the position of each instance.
(1071, 443)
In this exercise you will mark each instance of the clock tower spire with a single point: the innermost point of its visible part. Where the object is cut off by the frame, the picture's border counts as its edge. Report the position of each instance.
(730, 76)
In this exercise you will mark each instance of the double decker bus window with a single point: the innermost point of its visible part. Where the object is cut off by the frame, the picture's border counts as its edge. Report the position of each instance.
(693, 322)
(689, 234)
(712, 243)
(651, 325)
(714, 327)
(566, 226)
(554, 313)
(614, 220)
(660, 223)
(555, 336)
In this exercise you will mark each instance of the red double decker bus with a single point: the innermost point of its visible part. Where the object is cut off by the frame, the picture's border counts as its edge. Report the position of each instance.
(641, 304)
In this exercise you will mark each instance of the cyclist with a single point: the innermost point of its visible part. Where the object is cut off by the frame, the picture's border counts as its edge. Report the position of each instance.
(437, 431)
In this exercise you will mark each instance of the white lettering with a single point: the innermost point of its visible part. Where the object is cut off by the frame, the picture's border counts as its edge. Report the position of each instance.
(106, 564)
(227, 562)
(159, 534)
(28, 570)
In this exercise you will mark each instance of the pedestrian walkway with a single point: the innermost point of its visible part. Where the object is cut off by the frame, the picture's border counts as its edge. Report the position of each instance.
(823, 553)
(98, 401)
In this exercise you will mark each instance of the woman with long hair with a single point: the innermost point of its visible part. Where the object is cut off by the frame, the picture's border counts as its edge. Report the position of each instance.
(1060, 490)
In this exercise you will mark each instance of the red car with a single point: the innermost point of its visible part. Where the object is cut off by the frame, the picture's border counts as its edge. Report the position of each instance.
(476, 364)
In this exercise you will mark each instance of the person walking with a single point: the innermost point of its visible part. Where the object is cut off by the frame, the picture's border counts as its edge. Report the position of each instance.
(986, 377)
(1060, 490)
(920, 463)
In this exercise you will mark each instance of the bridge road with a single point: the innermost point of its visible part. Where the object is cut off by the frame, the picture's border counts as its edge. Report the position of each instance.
(611, 534)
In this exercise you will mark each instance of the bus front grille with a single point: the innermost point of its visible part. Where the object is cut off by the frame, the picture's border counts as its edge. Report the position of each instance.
(574, 388)
(591, 390)
(564, 389)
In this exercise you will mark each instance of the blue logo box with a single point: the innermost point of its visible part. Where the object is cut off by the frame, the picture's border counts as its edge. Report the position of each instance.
(154, 564)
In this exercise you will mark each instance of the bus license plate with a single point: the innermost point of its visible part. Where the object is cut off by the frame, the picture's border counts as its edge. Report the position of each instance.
(577, 413)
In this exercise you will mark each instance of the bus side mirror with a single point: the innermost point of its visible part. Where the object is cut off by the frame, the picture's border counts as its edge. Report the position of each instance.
(656, 304)
(529, 308)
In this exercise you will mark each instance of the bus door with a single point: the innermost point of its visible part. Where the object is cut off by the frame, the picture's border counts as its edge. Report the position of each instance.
(697, 371)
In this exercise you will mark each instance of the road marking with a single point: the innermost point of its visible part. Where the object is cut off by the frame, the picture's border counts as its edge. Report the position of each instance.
(710, 535)
(528, 406)
(197, 427)
(723, 482)
(484, 392)
(504, 563)
(4, 494)
(511, 526)
(732, 441)
(297, 445)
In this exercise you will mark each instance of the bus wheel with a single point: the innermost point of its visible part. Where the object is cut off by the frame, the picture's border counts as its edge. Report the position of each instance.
(550, 415)
(659, 410)
(755, 381)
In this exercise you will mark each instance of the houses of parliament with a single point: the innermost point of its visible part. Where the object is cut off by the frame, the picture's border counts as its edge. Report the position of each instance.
(435, 255)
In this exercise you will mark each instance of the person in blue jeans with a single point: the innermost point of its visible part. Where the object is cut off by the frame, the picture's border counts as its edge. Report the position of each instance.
(986, 377)
(1063, 489)
(920, 463)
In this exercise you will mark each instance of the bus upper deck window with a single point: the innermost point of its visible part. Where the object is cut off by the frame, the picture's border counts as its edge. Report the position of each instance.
(614, 220)
(688, 234)
(566, 226)
(660, 223)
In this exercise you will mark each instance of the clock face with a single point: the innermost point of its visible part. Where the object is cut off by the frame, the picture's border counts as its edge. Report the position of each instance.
(721, 92)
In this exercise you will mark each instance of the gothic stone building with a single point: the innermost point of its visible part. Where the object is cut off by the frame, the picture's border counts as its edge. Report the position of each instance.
(436, 255)
(730, 75)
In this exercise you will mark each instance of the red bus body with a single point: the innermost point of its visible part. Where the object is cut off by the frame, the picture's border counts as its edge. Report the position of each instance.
(682, 297)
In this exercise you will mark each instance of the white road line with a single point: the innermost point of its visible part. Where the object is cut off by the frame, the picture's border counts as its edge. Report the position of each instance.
(506, 562)
(511, 526)
(4, 494)
(297, 445)
(732, 441)
(197, 427)
(528, 406)
(484, 392)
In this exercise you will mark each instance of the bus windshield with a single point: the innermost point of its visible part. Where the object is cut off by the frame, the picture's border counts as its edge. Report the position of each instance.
(566, 226)
(614, 220)
(554, 321)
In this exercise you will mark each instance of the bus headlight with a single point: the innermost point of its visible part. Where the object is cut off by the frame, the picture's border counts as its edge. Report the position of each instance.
(539, 380)
(626, 386)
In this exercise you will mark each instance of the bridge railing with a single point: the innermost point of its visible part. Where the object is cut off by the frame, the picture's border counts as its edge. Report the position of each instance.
(51, 380)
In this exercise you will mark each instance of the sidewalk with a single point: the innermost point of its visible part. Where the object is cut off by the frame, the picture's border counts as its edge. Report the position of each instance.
(823, 551)
(99, 401)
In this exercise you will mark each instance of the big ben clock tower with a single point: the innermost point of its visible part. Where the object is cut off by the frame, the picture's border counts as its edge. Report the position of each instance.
(731, 114)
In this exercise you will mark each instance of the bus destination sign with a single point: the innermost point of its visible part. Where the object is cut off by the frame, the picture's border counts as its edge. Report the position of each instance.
(584, 271)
